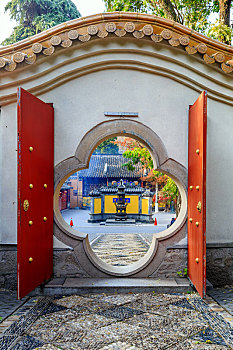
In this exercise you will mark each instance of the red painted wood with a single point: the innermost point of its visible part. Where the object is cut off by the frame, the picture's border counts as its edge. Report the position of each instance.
(197, 177)
(35, 129)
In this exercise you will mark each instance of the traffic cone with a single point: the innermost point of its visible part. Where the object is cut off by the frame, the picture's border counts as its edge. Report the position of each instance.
(71, 222)
(155, 223)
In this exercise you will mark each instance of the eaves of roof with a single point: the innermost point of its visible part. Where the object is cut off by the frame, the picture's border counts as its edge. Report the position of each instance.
(117, 24)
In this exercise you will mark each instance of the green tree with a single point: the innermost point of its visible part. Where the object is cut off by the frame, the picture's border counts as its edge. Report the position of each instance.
(136, 153)
(34, 16)
(221, 30)
(171, 192)
(107, 147)
(191, 13)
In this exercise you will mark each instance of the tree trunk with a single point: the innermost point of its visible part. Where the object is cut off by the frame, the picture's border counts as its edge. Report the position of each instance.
(224, 12)
(156, 197)
(169, 10)
(178, 204)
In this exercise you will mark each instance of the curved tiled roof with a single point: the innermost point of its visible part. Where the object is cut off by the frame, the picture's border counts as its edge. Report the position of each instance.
(109, 166)
(117, 24)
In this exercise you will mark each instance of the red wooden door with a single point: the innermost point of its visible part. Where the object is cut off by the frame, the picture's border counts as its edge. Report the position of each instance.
(197, 194)
(35, 192)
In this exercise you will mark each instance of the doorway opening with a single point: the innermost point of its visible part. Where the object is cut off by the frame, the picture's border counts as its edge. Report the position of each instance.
(88, 201)
(79, 240)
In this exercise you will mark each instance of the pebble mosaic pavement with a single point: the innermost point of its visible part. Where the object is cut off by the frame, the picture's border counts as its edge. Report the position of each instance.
(130, 321)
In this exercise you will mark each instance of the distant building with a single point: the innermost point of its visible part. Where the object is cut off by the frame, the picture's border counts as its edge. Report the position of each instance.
(138, 202)
(103, 169)
(64, 195)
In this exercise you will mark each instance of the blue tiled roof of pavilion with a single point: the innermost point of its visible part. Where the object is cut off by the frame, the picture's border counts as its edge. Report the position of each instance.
(109, 166)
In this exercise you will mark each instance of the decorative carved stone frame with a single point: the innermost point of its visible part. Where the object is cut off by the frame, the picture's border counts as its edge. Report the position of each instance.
(146, 266)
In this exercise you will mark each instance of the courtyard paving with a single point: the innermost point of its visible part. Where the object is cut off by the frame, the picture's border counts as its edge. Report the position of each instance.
(120, 249)
(119, 322)
(118, 245)
(80, 219)
(224, 297)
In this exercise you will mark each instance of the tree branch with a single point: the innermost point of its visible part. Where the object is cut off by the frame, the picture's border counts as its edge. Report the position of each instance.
(169, 10)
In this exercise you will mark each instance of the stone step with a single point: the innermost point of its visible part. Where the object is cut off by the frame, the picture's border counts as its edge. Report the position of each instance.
(69, 286)
(110, 222)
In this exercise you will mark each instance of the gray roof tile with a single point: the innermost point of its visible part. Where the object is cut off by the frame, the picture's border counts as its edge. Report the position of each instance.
(113, 169)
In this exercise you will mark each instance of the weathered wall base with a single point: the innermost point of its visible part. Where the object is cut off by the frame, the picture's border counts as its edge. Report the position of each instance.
(219, 265)
(219, 262)
(65, 264)
(8, 267)
(175, 260)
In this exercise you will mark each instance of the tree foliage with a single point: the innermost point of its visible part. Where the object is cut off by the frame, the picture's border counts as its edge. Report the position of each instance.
(34, 16)
(107, 147)
(194, 14)
(155, 177)
(170, 189)
(221, 32)
(136, 153)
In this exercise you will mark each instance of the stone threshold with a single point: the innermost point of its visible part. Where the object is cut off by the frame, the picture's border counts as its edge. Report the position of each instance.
(71, 285)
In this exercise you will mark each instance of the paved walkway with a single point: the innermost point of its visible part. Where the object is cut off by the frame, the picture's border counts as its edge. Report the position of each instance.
(9, 303)
(118, 245)
(120, 249)
(80, 218)
(130, 321)
(12, 309)
(224, 297)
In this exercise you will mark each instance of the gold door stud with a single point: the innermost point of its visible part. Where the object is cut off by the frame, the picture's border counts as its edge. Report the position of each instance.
(25, 205)
(199, 206)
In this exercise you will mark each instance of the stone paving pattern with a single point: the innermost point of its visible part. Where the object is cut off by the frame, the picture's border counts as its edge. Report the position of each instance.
(120, 244)
(119, 321)
(120, 249)
(9, 303)
(224, 296)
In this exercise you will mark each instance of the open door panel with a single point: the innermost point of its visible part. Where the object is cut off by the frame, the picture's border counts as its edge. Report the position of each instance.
(35, 192)
(197, 193)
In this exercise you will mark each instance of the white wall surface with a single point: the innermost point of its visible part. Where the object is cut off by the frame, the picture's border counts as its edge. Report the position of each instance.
(219, 173)
(157, 82)
(80, 105)
(8, 168)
